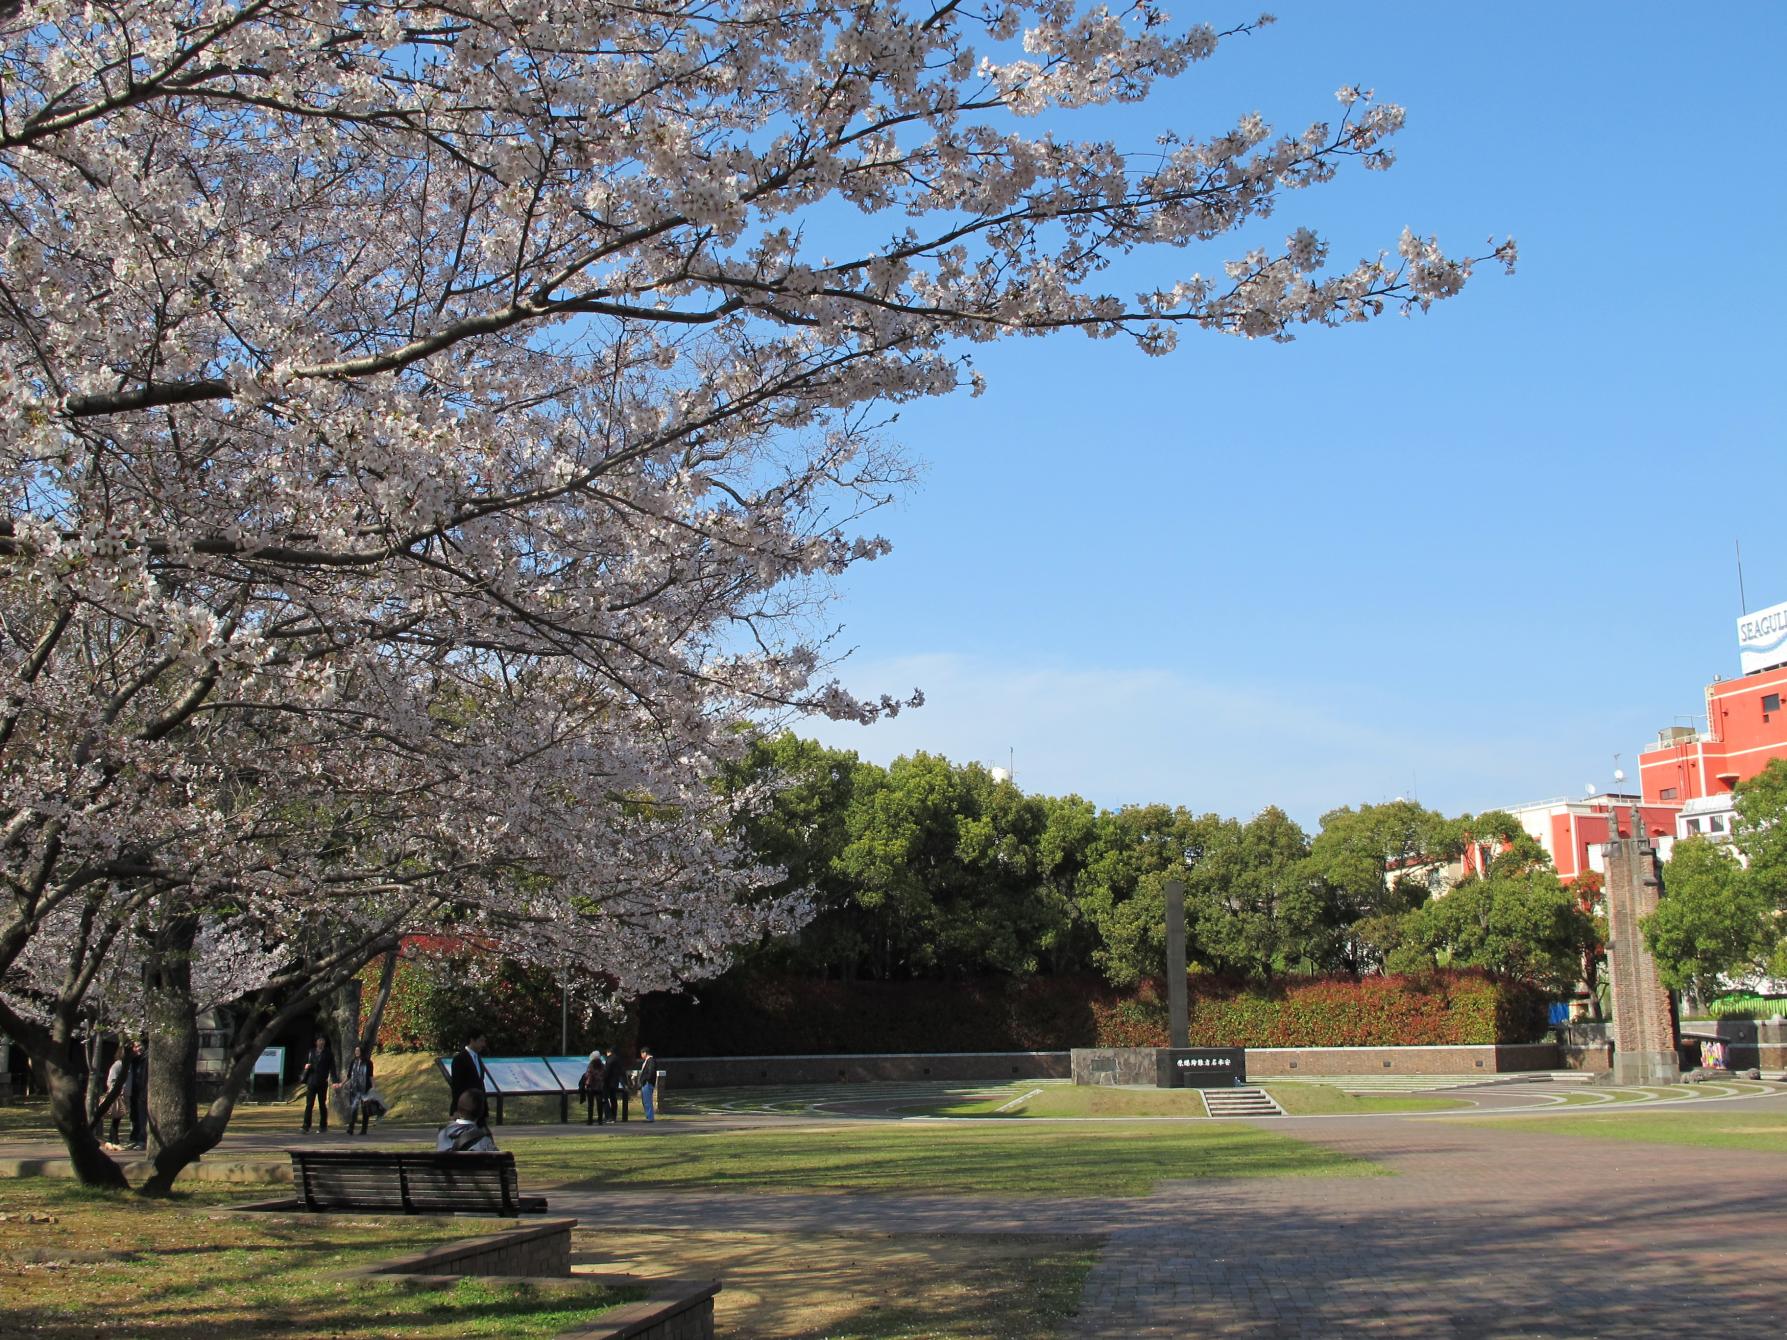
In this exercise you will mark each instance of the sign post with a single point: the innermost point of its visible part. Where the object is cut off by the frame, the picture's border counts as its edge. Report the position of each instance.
(271, 1062)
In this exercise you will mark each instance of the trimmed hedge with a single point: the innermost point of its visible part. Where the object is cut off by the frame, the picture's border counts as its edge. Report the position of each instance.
(1413, 1010)
(439, 995)
(805, 1018)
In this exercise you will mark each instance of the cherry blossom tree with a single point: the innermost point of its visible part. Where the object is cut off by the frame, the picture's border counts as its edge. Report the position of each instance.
(430, 429)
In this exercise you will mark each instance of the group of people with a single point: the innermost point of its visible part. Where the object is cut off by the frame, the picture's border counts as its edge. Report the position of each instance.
(607, 1085)
(360, 1100)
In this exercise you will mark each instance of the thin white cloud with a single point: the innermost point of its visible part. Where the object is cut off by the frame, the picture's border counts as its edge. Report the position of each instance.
(1123, 735)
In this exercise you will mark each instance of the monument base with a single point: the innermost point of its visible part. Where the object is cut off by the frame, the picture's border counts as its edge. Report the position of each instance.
(1644, 1068)
(1161, 1067)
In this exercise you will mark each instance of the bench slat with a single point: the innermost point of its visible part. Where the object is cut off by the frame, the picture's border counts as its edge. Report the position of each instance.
(412, 1182)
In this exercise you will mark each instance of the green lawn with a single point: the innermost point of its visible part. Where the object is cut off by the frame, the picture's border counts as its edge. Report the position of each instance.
(76, 1261)
(1709, 1127)
(1324, 1100)
(1058, 1099)
(1020, 1159)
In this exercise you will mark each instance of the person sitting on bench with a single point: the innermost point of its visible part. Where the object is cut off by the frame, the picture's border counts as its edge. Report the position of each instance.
(466, 1133)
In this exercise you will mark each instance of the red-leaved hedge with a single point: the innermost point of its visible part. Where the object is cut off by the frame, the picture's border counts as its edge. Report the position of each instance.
(1427, 1009)
(798, 1017)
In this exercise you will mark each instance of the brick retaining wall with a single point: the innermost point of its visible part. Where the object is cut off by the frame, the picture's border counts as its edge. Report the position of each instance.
(541, 1250)
(540, 1253)
(719, 1072)
(1265, 1062)
(1750, 1044)
(725, 1072)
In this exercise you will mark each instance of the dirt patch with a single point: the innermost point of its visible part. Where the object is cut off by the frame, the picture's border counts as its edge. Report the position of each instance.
(796, 1286)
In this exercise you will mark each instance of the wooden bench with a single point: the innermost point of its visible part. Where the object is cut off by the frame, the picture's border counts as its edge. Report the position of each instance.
(396, 1181)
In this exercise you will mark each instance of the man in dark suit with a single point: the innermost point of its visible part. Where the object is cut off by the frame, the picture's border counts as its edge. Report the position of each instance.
(614, 1082)
(319, 1074)
(468, 1075)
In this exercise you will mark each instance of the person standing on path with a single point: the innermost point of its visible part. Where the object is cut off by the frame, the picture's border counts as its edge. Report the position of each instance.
(358, 1085)
(318, 1074)
(468, 1075)
(591, 1088)
(137, 1087)
(112, 1101)
(648, 1081)
(614, 1081)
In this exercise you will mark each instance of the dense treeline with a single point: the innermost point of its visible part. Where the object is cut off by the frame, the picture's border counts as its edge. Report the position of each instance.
(931, 870)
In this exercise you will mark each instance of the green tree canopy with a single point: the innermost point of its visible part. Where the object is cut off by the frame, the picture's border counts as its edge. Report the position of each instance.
(1715, 922)
(1523, 924)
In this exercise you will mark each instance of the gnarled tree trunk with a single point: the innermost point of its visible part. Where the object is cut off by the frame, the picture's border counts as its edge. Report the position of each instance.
(171, 1022)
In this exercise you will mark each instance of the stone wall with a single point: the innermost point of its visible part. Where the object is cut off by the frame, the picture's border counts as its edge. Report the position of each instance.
(1750, 1044)
(540, 1251)
(704, 1072)
(672, 1309)
(722, 1072)
(1585, 1046)
(1263, 1062)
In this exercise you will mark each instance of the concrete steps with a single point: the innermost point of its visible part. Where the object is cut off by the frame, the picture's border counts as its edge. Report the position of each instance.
(1240, 1102)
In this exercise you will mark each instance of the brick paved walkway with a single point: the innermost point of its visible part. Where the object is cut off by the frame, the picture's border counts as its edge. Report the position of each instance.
(1484, 1231)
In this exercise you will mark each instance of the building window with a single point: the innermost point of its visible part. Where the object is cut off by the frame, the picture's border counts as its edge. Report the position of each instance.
(1771, 702)
(1693, 825)
(1715, 823)
(1667, 793)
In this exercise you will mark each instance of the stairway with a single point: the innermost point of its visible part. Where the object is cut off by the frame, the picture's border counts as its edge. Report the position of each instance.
(1241, 1102)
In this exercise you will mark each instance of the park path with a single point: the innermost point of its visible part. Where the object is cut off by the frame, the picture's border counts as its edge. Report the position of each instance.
(1486, 1229)
(1489, 1227)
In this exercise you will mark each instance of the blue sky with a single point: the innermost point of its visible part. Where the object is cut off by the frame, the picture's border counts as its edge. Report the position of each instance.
(1468, 556)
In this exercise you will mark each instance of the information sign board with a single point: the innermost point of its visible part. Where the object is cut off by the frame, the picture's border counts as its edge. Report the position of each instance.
(1762, 639)
(521, 1074)
(569, 1069)
(271, 1062)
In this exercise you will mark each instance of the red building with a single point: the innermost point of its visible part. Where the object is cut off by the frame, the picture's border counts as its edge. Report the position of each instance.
(1699, 768)
(1575, 833)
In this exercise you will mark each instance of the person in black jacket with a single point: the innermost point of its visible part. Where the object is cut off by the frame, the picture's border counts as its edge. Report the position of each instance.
(614, 1084)
(319, 1073)
(590, 1088)
(358, 1085)
(468, 1076)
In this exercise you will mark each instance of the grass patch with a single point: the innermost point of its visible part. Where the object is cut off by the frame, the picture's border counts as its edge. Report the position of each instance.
(865, 1286)
(1057, 1099)
(75, 1260)
(1708, 1128)
(1120, 1159)
(1324, 1100)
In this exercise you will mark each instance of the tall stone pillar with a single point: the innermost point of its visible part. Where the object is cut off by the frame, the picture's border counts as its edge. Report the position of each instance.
(1643, 1015)
(1178, 1007)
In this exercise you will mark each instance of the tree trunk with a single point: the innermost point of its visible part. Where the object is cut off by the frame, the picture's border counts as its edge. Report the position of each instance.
(343, 1025)
(387, 977)
(200, 1136)
(56, 1062)
(96, 1067)
(171, 1021)
(69, 1112)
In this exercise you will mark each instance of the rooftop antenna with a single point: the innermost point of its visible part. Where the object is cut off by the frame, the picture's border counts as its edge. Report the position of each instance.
(1743, 604)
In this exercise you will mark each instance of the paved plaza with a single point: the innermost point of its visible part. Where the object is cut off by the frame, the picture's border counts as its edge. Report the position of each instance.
(1487, 1227)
